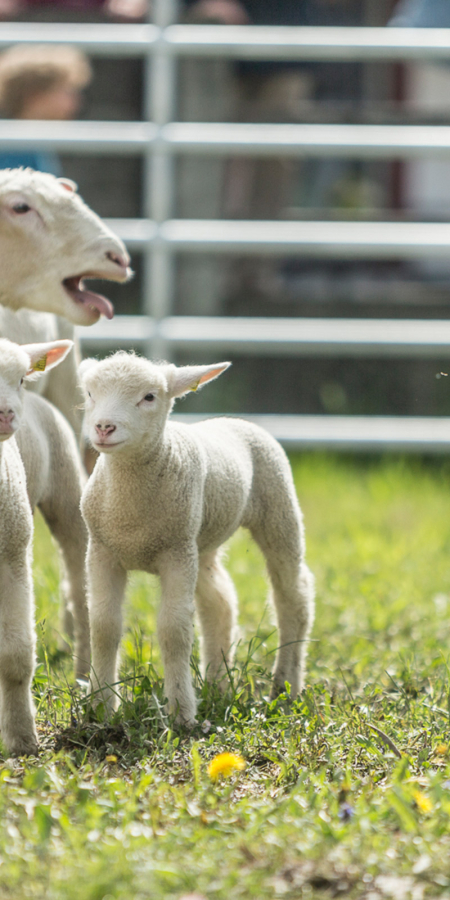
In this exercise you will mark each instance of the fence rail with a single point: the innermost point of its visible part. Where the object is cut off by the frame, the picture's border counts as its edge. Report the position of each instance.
(324, 44)
(338, 240)
(249, 336)
(404, 434)
(159, 236)
(220, 139)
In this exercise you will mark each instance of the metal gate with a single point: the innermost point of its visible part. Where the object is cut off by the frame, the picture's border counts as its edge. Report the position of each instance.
(159, 236)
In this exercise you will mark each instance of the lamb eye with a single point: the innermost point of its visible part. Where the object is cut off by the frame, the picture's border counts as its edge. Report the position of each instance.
(21, 208)
(149, 397)
(21, 381)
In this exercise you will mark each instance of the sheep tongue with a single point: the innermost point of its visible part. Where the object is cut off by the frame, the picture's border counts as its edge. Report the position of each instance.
(99, 302)
(76, 289)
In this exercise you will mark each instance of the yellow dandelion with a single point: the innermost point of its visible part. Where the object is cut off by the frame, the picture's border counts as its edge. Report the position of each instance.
(442, 749)
(422, 802)
(225, 764)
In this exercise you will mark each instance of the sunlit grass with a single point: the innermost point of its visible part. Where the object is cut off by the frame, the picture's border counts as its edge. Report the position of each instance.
(344, 788)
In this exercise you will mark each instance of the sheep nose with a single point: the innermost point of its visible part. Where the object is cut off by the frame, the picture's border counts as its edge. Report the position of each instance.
(6, 416)
(120, 259)
(104, 430)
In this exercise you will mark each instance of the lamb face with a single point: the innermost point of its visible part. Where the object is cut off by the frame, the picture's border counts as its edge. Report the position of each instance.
(129, 398)
(49, 242)
(16, 365)
(127, 403)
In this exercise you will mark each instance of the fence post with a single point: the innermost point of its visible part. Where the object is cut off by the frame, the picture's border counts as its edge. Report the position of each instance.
(160, 93)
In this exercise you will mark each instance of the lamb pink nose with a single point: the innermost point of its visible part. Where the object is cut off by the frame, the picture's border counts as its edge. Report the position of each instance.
(6, 417)
(104, 430)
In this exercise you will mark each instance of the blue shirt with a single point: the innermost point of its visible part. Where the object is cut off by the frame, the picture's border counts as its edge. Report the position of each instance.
(30, 159)
(422, 14)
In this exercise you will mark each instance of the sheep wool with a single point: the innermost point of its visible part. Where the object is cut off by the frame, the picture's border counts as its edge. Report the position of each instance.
(17, 645)
(163, 498)
(55, 480)
(50, 240)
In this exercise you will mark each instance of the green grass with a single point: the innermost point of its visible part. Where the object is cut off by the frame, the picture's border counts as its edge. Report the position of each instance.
(346, 792)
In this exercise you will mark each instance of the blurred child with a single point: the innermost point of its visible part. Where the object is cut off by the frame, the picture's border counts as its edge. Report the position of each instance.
(41, 83)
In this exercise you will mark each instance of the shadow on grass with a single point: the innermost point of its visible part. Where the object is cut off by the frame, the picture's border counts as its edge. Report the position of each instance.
(140, 726)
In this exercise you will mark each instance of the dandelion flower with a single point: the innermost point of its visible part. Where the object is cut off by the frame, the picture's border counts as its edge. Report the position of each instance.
(422, 802)
(225, 764)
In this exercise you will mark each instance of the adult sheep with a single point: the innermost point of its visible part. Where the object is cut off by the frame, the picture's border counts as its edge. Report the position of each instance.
(50, 242)
(163, 498)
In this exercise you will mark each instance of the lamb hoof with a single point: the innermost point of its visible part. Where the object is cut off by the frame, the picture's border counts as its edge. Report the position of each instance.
(23, 747)
(102, 699)
(82, 670)
(186, 724)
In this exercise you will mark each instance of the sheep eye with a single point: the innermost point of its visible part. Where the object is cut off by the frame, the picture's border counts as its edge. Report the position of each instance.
(22, 381)
(21, 208)
(149, 397)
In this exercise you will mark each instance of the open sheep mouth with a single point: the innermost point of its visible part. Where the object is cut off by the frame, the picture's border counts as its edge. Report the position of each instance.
(78, 293)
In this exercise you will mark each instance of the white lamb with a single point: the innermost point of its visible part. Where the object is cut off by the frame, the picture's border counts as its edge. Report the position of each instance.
(163, 498)
(17, 638)
(50, 241)
(54, 482)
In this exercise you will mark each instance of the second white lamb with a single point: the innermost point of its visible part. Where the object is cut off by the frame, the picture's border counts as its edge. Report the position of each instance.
(17, 636)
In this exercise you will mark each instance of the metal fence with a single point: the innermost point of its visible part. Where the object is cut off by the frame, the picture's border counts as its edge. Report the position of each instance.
(159, 236)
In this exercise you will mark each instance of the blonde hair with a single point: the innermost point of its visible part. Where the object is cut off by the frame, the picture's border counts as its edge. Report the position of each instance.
(29, 70)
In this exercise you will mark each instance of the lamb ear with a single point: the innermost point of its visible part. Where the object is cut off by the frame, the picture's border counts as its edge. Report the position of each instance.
(190, 378)
(68, 184)
(45, 356)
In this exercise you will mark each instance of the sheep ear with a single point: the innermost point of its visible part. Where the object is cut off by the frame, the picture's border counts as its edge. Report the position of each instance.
(45, 356)
(68, 184)
(190, 378)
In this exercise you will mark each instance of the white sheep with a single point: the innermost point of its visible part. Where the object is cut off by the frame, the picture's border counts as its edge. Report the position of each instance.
(163, 498)
(55, 480)
(17, 637)
(50, 241)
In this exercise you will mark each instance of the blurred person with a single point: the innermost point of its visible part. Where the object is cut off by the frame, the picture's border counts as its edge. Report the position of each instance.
(122, 10)
(271, 91)
(220, 12)
(268, 12)
(426, 183)
(421, 14)
(274, 91)
(41, 82)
